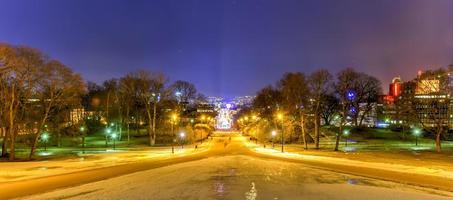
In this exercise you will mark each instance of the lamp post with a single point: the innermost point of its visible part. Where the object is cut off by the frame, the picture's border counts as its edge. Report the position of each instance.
(108, 131)
(174, 117)
(280, 117)
(182, 135)
(274, 133)
(45, 138)
(417, 132)
(114, 136)
(346, 134)
(82, 130)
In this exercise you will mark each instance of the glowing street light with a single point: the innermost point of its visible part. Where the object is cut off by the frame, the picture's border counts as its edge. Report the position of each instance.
(82, 130)
(182, 135)
(346, 134)
(174, 117)
(114, 136)
(417, 133)
(108, 131)
(45, 138)
(280, 117)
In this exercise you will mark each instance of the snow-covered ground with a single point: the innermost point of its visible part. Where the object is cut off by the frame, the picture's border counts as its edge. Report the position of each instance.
(394, 163)
(231, 177)
(15, 171)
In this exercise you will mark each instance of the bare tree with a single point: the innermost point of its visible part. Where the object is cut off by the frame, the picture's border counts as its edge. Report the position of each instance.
(295, 95)
(329, 108)
(319, 82)
(111, 90)
(345, 93)
(367, 89)
(184, 91)
(267, 102)
(128, 96)
(150, 87)
(56, 85)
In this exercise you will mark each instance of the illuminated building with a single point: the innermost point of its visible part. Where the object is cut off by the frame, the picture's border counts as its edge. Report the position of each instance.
(433, 99)
(394, 90)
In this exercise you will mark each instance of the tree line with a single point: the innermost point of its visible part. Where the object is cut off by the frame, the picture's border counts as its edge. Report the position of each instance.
(299, 104)
(39, 94)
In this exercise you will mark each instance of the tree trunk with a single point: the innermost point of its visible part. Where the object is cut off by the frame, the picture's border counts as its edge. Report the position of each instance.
(150, 136)
(338, 136)
(154, 123)
(128, 123)
(38, 133)
(58, 138)
(107, 108)
(302, 126)
(128, 134)
(12, 129)
(317, 125)
(5, 142)
(151, 140)
(438, 140)
(12, 146)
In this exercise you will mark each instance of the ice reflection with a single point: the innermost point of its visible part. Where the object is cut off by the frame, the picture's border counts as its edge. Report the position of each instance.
(252, 193)
(350, 149)
(353, 181)
(219, 188)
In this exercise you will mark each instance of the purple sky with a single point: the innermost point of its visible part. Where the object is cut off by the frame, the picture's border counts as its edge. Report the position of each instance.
(230, 48)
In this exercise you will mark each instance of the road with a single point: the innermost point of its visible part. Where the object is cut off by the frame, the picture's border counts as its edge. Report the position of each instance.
(226, 171)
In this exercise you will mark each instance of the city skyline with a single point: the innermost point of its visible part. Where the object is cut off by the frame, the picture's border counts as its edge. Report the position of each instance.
(235, 51)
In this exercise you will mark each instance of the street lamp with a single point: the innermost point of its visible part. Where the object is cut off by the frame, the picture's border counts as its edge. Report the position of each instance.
(346, 134)
(174, 117)
(45, 138)
(182, 135)
(274, 133)
(280, 117)
(113, 136)
(108, 131)
(82, 130)
(417, 132)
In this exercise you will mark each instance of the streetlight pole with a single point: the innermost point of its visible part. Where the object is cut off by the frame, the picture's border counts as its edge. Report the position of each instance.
(346, 134)
(173, 123)
(108, 131)
(283, 141)
(273, 136)
(45, 138)
(182, 135)
(82, 129)
(114, 144)
(280, 117)
(114, 136)
(172, 141)
(416, 133)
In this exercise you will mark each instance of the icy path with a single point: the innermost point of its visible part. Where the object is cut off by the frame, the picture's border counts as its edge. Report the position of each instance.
(231, 177)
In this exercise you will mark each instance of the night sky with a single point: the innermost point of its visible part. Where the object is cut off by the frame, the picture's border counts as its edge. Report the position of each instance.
(231, 48)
